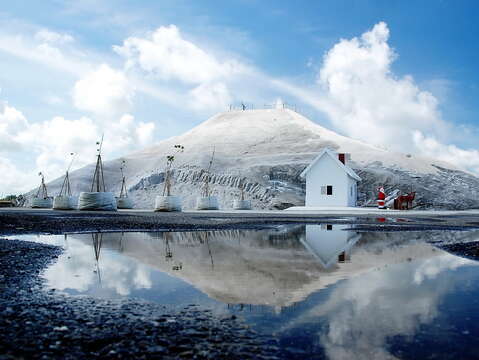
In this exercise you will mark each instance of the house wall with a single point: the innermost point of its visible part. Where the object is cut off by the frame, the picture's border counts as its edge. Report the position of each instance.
(352, 191)
(327, 172)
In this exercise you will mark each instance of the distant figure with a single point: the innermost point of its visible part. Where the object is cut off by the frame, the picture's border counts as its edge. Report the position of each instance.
(243, 106)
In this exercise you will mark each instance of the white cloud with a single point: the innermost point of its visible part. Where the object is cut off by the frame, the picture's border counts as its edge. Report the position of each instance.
(365, 100)
(144, 132)
(13, 179)
(50, 142)
(53, 100)
(12, 123)
(210, 96)
(53, 140)
(104, 91)
(127, 133)
(168, 55)
(430, 146)
(49, 36)
(51, 55)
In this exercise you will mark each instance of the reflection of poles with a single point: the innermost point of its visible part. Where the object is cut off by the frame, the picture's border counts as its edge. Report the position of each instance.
(209, 251)
(65, 240)
(120, 248)
(97, 240)
(168, 252)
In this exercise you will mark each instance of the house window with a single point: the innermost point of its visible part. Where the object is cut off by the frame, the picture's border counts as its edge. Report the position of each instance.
(327, 190)
(326, 227)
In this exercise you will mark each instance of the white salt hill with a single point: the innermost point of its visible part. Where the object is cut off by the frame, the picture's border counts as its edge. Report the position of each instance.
(266, 150)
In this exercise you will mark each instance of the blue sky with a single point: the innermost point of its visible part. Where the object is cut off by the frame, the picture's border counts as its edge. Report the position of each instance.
(142, 71)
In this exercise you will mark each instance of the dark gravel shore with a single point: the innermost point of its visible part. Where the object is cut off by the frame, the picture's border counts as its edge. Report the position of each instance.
(39, 324)
(32, 221)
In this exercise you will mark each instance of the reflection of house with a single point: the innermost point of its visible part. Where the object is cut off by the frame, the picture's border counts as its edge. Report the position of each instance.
(330, 181)
(329, 243)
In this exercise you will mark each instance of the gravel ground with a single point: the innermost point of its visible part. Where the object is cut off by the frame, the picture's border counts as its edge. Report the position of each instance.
(40, 324)
(24, 221)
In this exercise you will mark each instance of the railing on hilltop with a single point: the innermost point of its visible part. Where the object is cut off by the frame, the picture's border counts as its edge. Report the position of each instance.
(250, 106)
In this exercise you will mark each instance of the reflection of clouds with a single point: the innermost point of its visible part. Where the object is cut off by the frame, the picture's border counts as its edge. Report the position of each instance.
(76, 268)
(73, 269)
(142, 278)
(429, 269)
(364, 312)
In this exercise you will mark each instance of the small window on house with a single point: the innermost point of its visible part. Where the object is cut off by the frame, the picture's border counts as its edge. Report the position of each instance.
(327, 190)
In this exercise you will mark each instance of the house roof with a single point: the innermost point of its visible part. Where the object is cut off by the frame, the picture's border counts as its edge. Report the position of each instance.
(334, 156)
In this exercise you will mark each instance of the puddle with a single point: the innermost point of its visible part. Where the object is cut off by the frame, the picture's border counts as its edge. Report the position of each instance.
(323, 291)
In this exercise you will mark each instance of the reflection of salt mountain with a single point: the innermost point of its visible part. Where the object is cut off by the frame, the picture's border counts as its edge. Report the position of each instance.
(258, 267)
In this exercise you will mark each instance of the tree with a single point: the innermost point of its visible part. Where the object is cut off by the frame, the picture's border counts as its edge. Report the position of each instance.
(168, 169)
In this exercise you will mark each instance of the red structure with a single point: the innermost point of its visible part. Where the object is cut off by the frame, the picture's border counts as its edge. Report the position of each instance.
(404, 202)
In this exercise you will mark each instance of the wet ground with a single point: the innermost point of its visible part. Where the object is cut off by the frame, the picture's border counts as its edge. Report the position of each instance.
(330, 290)
(24, 220)
(39, 323)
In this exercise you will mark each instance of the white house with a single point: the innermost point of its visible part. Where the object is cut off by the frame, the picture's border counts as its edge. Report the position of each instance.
(330, 181)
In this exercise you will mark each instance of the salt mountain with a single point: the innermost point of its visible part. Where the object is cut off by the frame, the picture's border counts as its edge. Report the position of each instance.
(269, 149)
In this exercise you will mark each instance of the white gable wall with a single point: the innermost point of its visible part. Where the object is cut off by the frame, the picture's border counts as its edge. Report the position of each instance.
(327, 172)
(352, 191)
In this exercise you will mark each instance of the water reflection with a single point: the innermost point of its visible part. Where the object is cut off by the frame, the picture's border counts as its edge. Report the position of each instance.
(329, 244)
(235, 267)
(96, 240)
(325, 289)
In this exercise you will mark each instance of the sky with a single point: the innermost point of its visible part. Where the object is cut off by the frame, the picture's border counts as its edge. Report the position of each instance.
(398, 74)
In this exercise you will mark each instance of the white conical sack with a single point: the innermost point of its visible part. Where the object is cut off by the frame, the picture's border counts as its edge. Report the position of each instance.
(242, 204)
(167, 203)
(124, 203)
(64, 203)
(207, 203)
(41, 203)
(97, 201)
